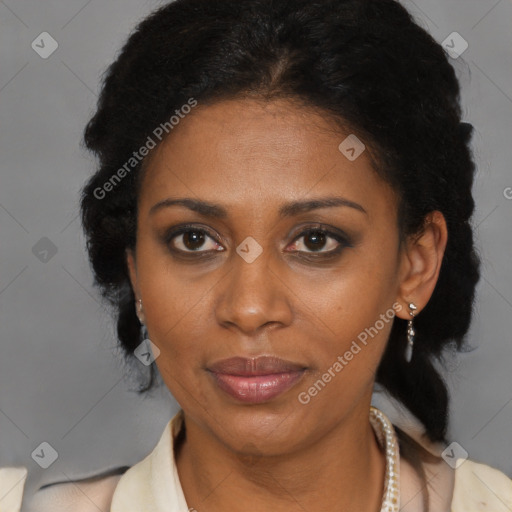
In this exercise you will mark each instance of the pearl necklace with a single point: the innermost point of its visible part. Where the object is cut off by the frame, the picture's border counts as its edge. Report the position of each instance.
(387, 439)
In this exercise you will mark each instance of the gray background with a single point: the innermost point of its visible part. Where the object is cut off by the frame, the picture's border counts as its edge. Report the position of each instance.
(61, 380)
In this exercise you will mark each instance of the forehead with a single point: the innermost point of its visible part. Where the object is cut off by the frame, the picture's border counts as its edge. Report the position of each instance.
(248, 150)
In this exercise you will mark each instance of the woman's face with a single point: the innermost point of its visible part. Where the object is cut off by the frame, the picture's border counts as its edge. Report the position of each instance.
(250, 276)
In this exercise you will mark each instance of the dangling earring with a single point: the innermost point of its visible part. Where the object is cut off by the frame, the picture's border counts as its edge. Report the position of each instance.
(410, 333)
(147, 351)
(145, 335)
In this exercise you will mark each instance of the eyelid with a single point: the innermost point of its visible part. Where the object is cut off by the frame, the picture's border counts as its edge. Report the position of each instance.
(342, 238)
(172, 233)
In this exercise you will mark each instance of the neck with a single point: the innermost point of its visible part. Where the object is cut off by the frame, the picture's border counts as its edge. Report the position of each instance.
(343, 471)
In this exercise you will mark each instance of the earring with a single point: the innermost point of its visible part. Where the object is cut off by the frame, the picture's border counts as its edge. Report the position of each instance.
(145, 335)
(410, 333)
(139, 310)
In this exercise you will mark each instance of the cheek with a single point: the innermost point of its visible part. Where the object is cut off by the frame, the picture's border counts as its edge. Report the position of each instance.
(175, 326)
(352, 296)
(349, 313)
(347, 347)
(351, 321)
(175, 310)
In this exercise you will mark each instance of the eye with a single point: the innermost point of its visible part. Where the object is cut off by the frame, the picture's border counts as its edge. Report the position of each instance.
(318, 239)
(190, 239)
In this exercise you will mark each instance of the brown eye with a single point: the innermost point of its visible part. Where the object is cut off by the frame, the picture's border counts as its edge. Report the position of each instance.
(190, 240)
(193, 240)
(315, 240)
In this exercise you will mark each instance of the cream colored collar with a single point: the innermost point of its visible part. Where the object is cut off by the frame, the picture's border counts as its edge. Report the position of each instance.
(153, 485)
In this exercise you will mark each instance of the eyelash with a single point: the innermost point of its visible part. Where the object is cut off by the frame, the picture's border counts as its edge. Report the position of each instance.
(342, 239)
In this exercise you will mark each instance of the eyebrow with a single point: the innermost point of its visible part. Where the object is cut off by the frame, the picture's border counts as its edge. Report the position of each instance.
(286, 210)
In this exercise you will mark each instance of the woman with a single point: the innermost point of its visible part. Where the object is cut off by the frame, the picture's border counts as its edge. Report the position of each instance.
(280, 219)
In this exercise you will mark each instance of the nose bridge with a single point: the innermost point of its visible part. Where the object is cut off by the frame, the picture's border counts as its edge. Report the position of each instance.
(252, 296)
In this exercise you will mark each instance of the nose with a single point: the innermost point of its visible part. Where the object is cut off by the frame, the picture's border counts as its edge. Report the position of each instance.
(253, 296)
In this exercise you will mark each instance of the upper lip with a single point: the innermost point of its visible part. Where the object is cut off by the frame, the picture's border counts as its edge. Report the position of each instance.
(253, 366)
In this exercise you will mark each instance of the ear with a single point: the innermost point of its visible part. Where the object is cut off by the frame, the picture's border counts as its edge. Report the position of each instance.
(420, 263)
(132, 271)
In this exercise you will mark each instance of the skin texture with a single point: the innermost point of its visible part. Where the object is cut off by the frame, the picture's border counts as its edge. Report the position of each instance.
(251, 157)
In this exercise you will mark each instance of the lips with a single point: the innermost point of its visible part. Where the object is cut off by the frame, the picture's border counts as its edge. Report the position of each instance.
(255, 380)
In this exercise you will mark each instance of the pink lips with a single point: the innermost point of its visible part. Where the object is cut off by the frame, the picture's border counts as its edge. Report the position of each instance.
(255, 380)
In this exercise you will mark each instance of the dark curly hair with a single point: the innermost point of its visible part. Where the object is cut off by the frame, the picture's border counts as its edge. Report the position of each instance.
(365, 64)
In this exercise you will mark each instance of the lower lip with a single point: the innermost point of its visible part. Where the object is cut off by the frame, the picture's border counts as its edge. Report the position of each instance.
(257, 388)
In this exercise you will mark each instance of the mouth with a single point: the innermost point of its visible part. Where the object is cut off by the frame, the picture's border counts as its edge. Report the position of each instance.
(255, 380)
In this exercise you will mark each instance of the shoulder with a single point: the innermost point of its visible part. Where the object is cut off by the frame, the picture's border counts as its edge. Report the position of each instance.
(460, 485)
(481, 487)
(12, 483)
(85, 495)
